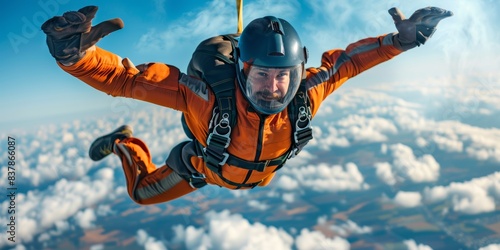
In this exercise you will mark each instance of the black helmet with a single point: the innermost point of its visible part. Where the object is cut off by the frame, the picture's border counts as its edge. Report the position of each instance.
(271, 61)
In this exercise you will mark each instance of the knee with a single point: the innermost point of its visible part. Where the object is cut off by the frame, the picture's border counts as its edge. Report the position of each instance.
(134, 148)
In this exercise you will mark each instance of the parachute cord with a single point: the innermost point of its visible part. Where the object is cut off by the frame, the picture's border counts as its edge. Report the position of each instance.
(239, 10)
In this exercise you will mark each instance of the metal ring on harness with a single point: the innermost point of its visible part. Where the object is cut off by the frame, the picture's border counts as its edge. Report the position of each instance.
(302, 124)
(218, 140)
(303, 131)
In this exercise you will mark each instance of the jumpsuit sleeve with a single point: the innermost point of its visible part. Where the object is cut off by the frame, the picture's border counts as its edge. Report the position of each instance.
(338, 65)
(104, 71)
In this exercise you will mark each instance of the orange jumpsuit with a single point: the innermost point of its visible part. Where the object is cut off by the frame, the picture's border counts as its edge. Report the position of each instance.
(253, 138)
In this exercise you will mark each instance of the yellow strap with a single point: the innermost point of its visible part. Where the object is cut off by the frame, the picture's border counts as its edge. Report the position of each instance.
(239, 10)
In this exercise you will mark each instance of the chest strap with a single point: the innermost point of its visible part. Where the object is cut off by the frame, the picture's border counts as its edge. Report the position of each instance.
(215, 156)
(215, 159)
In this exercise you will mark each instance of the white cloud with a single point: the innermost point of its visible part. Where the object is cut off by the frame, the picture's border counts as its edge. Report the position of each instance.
(491, 247)
(86, 218)
(65, 157)
(421, 142)
(258, 205)
(350, 227)
(42, 210)
(148, 242)
(240, 193)
(322, 220)
(104, 210)
(97, 247)
(223, 231)
(384, 173)
(59, 228)
(372, 116)
(364, 129)
(67, 137)
(412, 245)
(408, 199)
(448, 144)
(327, 136)
(479, 195)
(195, 238)
(453, 136)
(407, 166)
(311, 240)
(324, 178)
(19, 247)
(288, 197)
(287, 183)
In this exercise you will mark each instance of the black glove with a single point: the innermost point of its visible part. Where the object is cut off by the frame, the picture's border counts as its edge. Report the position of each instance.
(70, 35)
(419, 27)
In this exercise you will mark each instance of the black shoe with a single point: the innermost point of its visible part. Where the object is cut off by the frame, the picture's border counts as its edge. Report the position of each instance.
(103, 146)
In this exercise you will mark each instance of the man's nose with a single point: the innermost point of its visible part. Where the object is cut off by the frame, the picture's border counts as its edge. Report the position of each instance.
(272, 84)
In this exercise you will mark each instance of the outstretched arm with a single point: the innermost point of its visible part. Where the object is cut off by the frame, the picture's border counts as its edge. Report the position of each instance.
(158, 83)
(339, 65)
(71, 41)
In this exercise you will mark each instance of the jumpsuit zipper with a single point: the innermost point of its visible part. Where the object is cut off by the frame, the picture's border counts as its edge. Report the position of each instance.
(259, 146)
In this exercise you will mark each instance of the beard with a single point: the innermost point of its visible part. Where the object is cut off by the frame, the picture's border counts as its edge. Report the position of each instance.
(266, 98)
(266, 95)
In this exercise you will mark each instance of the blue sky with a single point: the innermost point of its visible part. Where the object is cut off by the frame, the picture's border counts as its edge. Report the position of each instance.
(168, 31)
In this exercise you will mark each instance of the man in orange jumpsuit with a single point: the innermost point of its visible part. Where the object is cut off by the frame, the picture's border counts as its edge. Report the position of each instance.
(270, 68)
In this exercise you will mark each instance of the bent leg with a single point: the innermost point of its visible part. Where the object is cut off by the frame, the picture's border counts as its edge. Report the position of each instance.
(162, 185)
(147, 184)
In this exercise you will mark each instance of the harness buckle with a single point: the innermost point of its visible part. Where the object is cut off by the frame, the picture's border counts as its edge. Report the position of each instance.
(198, 176)
(226, 156)
(293, 153)
(263, 166)
(197, 180)
(267, 163)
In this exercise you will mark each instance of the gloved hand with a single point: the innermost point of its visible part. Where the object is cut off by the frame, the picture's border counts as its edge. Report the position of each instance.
(418, 28)
(70, 35)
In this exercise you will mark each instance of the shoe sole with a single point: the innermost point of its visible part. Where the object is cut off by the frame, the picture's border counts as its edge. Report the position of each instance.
(119, 129)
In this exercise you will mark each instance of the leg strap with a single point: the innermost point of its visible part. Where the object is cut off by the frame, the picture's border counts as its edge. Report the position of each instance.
(180, 161)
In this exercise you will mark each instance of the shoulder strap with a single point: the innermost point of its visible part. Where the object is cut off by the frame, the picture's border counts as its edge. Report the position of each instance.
(222, 83)
(213, 62)
(221, 80)
(299, 111)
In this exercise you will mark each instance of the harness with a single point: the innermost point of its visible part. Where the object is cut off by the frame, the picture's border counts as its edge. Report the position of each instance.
(224, 119)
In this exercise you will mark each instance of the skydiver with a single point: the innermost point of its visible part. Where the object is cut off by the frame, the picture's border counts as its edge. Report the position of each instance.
(271, 67)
